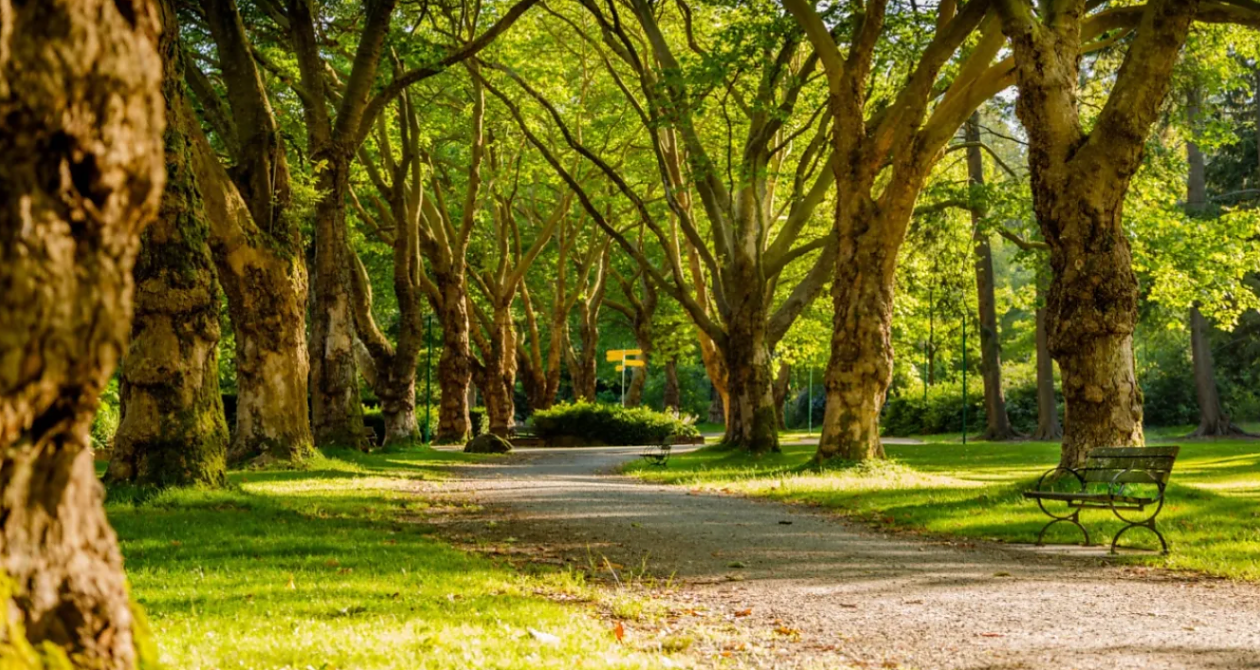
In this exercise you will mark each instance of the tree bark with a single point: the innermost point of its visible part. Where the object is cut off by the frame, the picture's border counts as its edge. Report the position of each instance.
(751, 423)
(82, 167)
(1079, 182)
(998, 423)
(1048, 425)
(336, 409)
(499, 363)
(454, 366)
(172, 431)
(266, 290)
(256, 243)
(859, 369)
(673, 395)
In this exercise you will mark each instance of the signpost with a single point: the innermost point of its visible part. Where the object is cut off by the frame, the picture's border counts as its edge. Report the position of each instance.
(624, 359)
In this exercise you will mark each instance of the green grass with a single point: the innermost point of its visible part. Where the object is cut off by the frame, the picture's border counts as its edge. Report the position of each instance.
(1212, 519)
(334, 567)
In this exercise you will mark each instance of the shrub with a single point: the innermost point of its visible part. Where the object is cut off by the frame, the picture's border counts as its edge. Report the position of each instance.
(907, 414)
(608, 424)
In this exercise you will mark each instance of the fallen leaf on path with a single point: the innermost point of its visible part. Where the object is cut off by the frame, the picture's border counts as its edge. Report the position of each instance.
(619, 632)
(992, 635)
(849, 606)
(785, 631)
(744, 613)
(785, 523)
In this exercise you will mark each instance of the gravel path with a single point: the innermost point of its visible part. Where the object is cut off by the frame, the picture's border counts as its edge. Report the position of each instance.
(824, 592)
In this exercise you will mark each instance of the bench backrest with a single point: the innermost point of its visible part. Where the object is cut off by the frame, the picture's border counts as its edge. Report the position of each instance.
(1143, 464)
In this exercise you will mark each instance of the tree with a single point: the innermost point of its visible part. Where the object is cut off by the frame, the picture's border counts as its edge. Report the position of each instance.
(998, 424)
(1079, 180)
(501, 279)
(754, 226)
(399, 203)
(80, 90)
(172, 431)
(333, 142)
(256, 242)
(541, 372)
(883, 155)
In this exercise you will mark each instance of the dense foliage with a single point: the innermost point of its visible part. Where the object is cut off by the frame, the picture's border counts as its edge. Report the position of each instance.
(596, 423)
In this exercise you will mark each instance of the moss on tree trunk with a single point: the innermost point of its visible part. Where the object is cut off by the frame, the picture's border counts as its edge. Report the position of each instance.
(173, 431)
(82, 163)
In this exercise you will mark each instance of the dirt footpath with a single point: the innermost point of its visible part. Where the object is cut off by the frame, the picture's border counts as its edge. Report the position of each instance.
(809, 589)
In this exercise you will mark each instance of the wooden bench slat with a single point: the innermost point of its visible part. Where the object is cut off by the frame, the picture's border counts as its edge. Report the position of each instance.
(1136, 475)
(1087, 497)
(1128, 452)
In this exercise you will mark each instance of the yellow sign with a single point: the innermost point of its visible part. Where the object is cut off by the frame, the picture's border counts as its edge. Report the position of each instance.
(615, 355)
(632, 363)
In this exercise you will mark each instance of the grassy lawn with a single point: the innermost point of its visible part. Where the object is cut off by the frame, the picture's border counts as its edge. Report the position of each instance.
(331, 567)
(1212, 519)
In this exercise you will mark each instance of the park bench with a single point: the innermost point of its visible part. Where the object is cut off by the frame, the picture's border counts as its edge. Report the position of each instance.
(658, 454)
(1118, 469)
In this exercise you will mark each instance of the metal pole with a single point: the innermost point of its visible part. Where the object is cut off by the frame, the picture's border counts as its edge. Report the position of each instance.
(623, 380)
(428, 376)
(964, 371)
(810, 410)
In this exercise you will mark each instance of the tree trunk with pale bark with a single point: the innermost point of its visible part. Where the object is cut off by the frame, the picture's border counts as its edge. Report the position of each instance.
(82, 166)
(782, 386)
(172, 431)
(256, 244)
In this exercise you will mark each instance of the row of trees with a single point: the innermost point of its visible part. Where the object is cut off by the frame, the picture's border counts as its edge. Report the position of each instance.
(716, 166)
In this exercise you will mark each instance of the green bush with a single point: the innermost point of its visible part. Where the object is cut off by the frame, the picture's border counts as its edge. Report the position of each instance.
(907, 414)
(608, 424)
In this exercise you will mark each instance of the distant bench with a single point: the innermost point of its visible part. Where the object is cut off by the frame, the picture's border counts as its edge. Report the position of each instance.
(1118, 468)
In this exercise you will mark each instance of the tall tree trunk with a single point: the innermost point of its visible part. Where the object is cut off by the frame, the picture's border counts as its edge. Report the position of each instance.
(1048, 425)
(500, 373)
(998, 424)
(1079, 181)
(265, 283)
(454, 366)
(172, 431)
(859, 369)
(673, 395)
(257, 246)
(337, 412)
(750, 415)
(1213, 422)
(82, 167)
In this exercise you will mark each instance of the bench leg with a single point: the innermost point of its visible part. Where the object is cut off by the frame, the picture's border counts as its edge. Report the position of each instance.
(1149, 523)
(1075, 520)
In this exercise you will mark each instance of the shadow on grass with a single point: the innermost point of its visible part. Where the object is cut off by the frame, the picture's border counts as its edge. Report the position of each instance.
(328, 567)
(1211, 520)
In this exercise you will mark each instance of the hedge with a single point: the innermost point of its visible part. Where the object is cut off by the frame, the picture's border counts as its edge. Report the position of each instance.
(603, 424)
